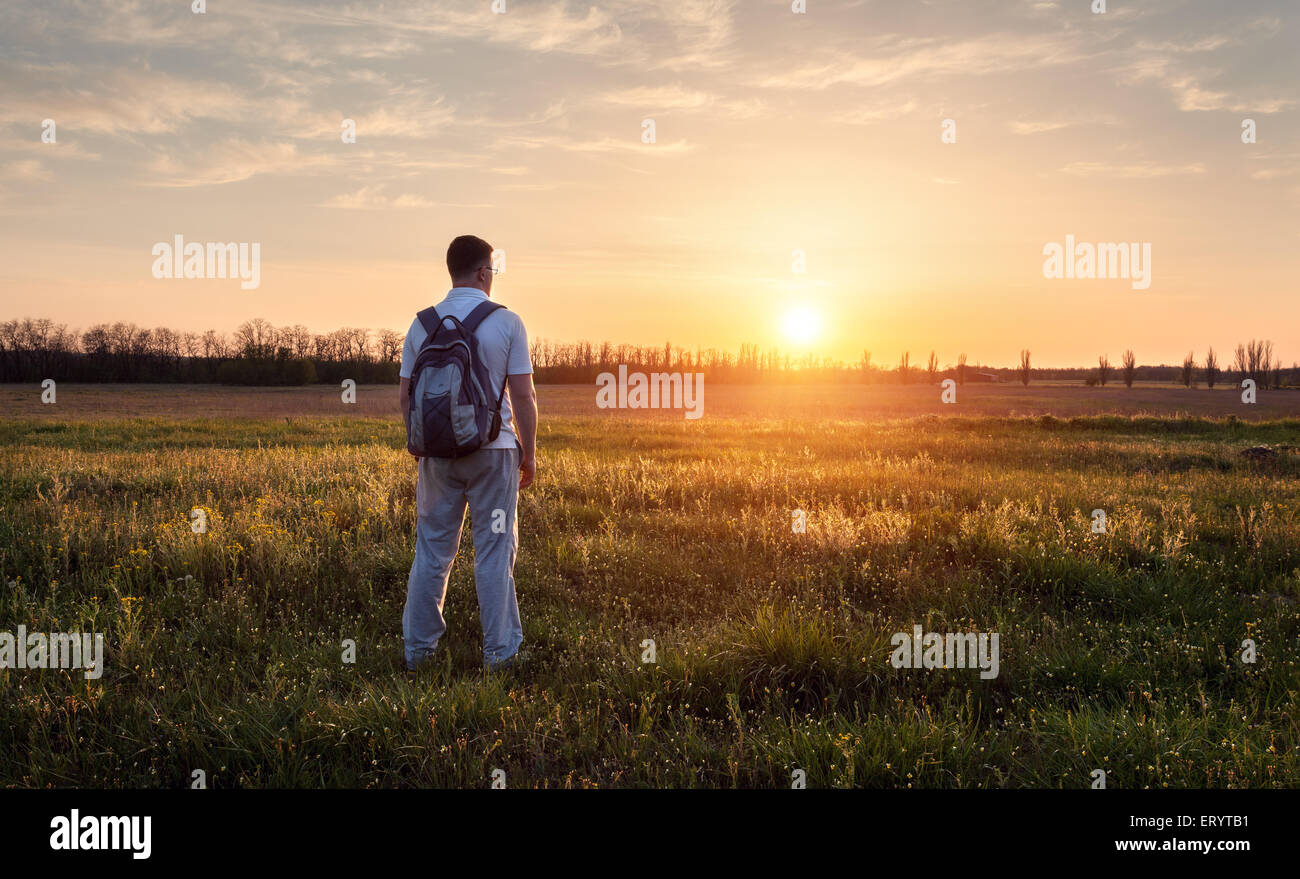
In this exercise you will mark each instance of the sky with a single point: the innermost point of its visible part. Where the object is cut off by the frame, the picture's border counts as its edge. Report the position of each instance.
(891, 171)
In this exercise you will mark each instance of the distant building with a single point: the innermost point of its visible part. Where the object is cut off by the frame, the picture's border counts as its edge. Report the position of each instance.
(974, 377)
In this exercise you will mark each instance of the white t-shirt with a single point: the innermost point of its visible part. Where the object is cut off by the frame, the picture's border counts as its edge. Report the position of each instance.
(502, 342)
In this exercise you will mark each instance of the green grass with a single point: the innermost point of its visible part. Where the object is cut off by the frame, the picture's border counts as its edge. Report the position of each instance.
(1118, 651)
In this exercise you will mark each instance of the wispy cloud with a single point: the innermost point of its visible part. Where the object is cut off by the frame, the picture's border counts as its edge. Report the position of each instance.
(1191, 94)
(24, 169)
(630, 144)
(235, 160)
(374, 198)
(404, 116)
(676, 98)
(1198, 85)
(658, 98)
(1133, 170)
(114, 102)
(894, 59)
(1041, 126)
(881, 112)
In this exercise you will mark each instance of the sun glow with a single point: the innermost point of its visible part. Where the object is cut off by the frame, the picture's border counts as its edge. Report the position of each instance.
(801, 325)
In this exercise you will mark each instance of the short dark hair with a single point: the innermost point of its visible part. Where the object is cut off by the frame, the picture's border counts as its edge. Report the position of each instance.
(466, 253)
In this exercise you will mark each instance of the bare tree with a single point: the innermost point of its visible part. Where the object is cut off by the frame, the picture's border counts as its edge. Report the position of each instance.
(904, 369)
(1189, 369)
(1211, 368)
(1023, 371)
(36, 349)
(167, 347)
(1265, 360)
(390, 346)
(95, 340)
(1103, 369)
(10, 351)
(296, 340)
(323, 346)
(255, 338)
(932, 368)
(1254, 360)
(355, 344)
(1129, 368)
(961, 369)
(126, 342)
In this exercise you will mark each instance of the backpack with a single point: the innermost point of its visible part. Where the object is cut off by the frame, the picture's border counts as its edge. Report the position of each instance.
(451, 412)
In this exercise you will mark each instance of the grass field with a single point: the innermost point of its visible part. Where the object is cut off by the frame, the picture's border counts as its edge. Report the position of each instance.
(850, 401)
(1119, 651)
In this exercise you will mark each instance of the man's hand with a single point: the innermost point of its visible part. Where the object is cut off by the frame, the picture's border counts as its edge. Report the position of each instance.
(523, 403)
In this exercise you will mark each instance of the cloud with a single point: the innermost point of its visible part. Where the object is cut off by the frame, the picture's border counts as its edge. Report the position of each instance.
(371, 198)
(654, 99)
(882, 112)
(893, 59)
(1273, 173)
(1132, 171)
(1041, 126)
(235, 160)
(407, 116)
(1204, 44)
(33, 146)
(24, 169)
(1038, 127)
(133, 22)
(529, 187)
(115, 102)
(677, 99)
(1190, 96)
(537, 27)
(630, 144)
(1198, 87)
(702, 33)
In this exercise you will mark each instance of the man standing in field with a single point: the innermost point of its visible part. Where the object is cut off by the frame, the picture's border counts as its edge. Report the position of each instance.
(488, 480)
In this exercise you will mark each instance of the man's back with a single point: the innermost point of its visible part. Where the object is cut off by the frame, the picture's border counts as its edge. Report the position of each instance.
(503, 344)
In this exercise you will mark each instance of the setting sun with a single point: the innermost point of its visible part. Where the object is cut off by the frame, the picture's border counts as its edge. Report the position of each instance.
(801, 324)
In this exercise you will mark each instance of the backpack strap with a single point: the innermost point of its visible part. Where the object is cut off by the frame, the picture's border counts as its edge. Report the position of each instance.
(429, 320)
(471, 322)
(475, 317)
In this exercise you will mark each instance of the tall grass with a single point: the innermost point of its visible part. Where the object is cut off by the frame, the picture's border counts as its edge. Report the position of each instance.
(1120, 651)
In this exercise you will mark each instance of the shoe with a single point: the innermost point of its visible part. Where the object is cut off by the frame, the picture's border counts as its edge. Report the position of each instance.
(520, 658)
(420, 664)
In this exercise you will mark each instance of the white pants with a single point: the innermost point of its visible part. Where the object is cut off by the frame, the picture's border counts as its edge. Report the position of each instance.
(488, 481)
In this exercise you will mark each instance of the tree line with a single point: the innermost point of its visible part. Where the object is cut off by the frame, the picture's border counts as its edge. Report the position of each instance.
(256, 353)
(1253, 360)
(259, 353)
